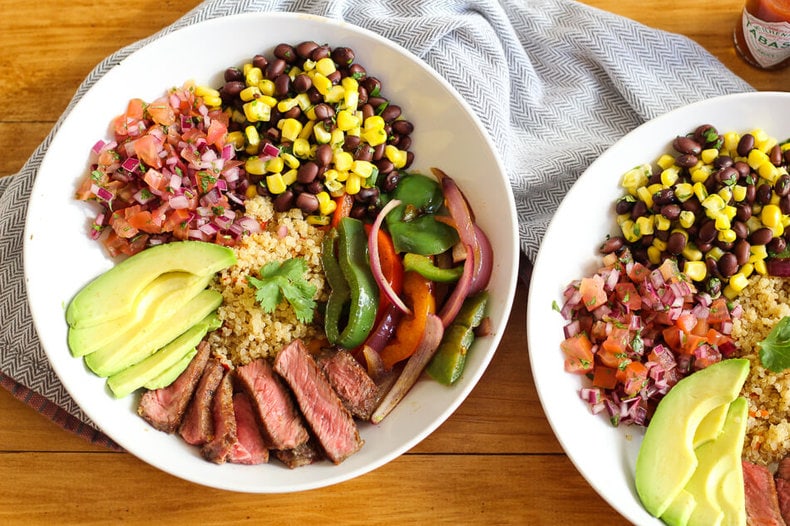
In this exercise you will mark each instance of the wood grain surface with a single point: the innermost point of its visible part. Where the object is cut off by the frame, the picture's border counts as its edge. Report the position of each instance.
(495, 461)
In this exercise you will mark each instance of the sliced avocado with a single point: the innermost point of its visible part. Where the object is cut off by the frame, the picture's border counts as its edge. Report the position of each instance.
(666, 459)
(680, 509)
(169, 376)
(112, 359)
(163, 360)
(160, 299)
(717, 502)
(112, 294)
(711, 425)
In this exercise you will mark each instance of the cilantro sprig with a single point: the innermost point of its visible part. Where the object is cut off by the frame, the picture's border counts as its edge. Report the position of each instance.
(285, 280)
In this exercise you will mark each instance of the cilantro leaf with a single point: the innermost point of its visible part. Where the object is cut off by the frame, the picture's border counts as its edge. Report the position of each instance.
(285, 280)
(775, 348)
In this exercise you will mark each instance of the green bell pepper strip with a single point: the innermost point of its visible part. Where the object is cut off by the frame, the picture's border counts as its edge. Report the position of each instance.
(353, 299)
(412, 225)
(425, 268)
(449, 361)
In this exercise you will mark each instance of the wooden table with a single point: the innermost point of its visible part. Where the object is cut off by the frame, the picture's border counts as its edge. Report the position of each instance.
(494, 461)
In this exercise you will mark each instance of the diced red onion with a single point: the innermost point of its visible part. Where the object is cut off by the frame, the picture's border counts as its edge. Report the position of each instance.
(270, 149)
(209, 229)
(179, 202)
(97, 147)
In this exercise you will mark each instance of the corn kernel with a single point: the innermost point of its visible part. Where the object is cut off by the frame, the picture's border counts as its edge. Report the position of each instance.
(236, 138)
(291, 128)
(620, 218)
(683, 191)
(768, 171)
(301, 148)
(729, 293)
(255, 165)
(725, 194)
(747, 269)
(206, 91)
(662, 223)
(722, 222)
(289, 160)
(757, 253)
(290, 176)
(266, 87)
(709, 155)
(665, 161)
(654, 255)
(350, 98)
(778, 230)
(760, 267)
(686, 218)
(376, 136)
(701, 173)
(771, 215)
(318, 220)
(644, 194)
(325, 66)
(337, 138)
(738, 193)
(251, 191)
(731, 140)
(756, 158)
(275, 165)
(396, 156)
(634, 178)
(321, 135)
(353, 184)
(250, 93)
(326, 205)
(334, 94)
(659, 244)
(350, 83)
(256, 111)
(692, 253)
(251, 134)
(670, 176)
(700, 191)
(714, 253)
(645, 225)
(727, 236)
(738, 282)
(275, 183)
(713, 203)
(695, 270)
(343, 160)
(347, 120)
(321, 83)
(307, 130)
(253, 76)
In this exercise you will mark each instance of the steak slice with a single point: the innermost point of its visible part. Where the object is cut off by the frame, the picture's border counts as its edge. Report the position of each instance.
(351, 382)
(164, 408)
(219, 448)
(250, 447)
(277, 415)
(332, 424)
(762, 504)
(197, 426)
(782, 480)
(299, 456)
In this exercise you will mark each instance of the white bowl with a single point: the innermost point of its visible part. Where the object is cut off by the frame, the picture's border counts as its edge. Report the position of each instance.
(605, 455)
(60, 259)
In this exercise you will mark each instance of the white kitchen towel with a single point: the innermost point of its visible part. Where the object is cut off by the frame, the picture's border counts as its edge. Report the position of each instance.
(554, 81)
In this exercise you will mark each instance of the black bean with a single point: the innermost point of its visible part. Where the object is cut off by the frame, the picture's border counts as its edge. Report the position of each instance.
(727, 175)
(722, 161)
(612, 244)
(302, 83)
(324, 154)
(707, 232)
(787, 157)
(702, 132)
(385, 166)
(782, 185)
(367, 195)
(391, 181)
(742, 252)
(362, 97)
(746, 144)
(776, 245)
(704, 247)
(405, 142)
(307, 172)
(351, 143)
(304, 49)
(691, 205)
(274, 69)
(320, 52)
(775, 155)
(744, 170)
(315, 187)
(390, 113)
(671, 211)
(314, 95)
(323, 111)
(712, 266)
(713, 286)
(343, 56)
(282, 85)
(260, 62)
(663, 235)
(232, 89)
(728, 265)
(676, 243)
(233, 74)
(363, 153)
(646, 240)
(784, 204)
(764, 192)
(373, 86)
(307, 203)
(761, 236)
(623, 205)
(285, 52)
(743, 211)
(403, 127)
(378, 151)
(687, 145)
(664, 196)
(284, 201)
(368, 111)
(335, 77)
(686, 160)
(740, 229)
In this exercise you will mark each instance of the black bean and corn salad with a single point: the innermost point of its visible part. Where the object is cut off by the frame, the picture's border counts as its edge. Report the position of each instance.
(719, 207)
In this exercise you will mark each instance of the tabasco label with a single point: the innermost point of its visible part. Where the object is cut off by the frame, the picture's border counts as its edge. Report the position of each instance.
(768, 42)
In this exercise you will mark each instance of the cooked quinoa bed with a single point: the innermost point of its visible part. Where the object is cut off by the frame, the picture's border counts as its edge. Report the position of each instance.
(765, 301)
(247, 331)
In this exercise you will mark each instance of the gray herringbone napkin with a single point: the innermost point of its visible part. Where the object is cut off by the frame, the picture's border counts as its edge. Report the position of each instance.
(555, 82)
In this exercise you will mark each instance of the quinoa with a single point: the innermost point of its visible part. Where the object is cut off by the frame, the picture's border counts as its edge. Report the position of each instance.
(765, 301)
(247, 331)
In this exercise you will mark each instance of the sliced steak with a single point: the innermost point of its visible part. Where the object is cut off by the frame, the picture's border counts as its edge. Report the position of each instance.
(220, 446)
(164, 408)
(250, 447)
(332, 424)
(197, 427)
(277, 415)
(762, 504)
(782, 480)
(303, 455)
(351, 382)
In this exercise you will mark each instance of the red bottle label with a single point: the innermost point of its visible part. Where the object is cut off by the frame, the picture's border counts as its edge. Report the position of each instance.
(768, 42)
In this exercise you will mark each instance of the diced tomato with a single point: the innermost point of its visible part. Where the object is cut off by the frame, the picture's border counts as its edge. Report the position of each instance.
(174, 219)
(638, 272)
(718, 339)
(592, 291)
(618, 340)
(718, 311)
(216, 133)
(147, 150)
(627, 294)
(610, 358)
(692, 342)
(161, 112)
(578, 354)
(701, 327)
(686, 322)
(674, 337)
(604, 377)
(635, 374)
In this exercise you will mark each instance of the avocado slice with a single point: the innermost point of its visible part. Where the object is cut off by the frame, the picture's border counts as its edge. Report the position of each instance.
(163, 360)
(114, 358)
(160, 299)
(721, 500)
(112, 294)
(679, 510)
(711, 425)
(666, 459)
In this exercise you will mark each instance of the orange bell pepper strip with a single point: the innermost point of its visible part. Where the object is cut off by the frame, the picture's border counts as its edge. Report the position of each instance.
(343, 209)
(391, 267)
(418, 295)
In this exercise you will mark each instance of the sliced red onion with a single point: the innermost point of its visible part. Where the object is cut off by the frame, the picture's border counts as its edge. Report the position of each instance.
(484, 265)
(374, 363)
(460, 291)
(383, 332)
(375, 259)
(416, 363)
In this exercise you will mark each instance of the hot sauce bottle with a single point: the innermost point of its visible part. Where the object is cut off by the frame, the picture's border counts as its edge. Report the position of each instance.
(762, 36)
